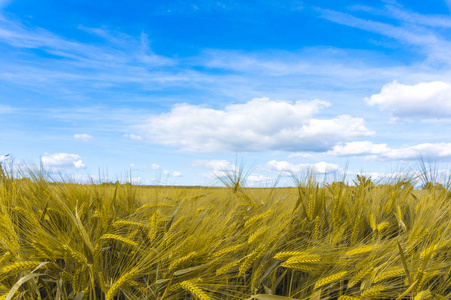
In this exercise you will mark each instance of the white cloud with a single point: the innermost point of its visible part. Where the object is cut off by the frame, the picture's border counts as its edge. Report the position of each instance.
(220, 168)
(62, 161)
(426, 100)
(258, 178)
(438, 150)
(300, 154)
(381, 177)
(133, 166)
(357, 148)
(173, 174)
(84, 137)
(287, 168)
(258, 125)
(213, 164)
(155, 167)
(223, 168)
(382, 152)
(133, 136)
(79, 164)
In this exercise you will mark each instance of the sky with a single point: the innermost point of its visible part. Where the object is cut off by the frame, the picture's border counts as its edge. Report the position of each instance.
(181, 92)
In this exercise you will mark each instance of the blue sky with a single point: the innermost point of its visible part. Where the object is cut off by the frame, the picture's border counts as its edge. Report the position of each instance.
(173, 92)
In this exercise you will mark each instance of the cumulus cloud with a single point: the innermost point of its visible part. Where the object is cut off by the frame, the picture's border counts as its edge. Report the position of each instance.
(258, 125)
(426, 100)
(288, 168)
(155, 167)
(438, 150)
(382, 152)
(133, 136)
(358, 148)
(259, 180)
(62, 161)
(176, 174)
(84, 137)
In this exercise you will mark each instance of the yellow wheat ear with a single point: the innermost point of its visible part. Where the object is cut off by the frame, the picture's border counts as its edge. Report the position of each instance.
(118, 238)
(330, 279)
(19, 266)
(126, 278)
(194, 290)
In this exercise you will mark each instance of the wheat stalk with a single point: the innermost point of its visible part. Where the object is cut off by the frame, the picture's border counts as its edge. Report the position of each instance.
(194, 290)
(4, 257)
(330, 279)
(257, 233)
(247, 262)
(119, 238)
(360, 250)
(287, 254)
(304, 259)
(228, 250)
(360, 275)
(257, 218)
(182, 260)
(226, 268)
(123, 223)
(19, 266)
(389, 274)
(346, 297)
(299, 267)
(80, 258)
(153, 205)
(120, 282)
(375, 291)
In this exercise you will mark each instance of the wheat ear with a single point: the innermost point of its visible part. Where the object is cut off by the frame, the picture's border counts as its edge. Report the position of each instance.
(122, 239)
(20, 266)
(287, 254)
(330, 279)
(194, 290)
(120, 282)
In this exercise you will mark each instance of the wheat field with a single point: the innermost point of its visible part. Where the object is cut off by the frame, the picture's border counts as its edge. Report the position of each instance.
(314, 241)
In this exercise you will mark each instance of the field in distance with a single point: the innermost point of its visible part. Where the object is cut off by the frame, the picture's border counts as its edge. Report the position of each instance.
(315, 241)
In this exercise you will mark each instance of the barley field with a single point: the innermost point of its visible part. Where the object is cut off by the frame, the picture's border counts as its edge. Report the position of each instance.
(314, 241)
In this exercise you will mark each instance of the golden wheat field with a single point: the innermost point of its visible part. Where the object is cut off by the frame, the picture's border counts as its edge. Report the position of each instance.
(315, 241)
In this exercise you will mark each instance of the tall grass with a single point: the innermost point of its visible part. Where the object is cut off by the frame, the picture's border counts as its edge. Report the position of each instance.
(315, 241)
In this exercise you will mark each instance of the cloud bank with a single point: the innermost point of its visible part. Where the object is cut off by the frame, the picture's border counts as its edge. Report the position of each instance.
(426, 100)
(287, 168)
(383, 152)
(258, 125)
(62, 161)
